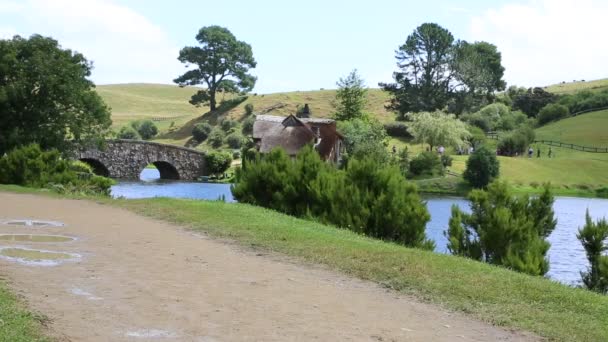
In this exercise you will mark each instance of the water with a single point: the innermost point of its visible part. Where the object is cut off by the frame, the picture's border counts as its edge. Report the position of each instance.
(151, 186)
(566, 256)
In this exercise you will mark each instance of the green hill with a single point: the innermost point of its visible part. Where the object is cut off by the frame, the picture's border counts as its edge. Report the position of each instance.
(589, 129)
(572, 87)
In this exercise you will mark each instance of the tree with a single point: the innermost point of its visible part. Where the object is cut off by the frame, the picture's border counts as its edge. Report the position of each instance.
(218, 162)
(46, 96)
(482, 168)
(593, 236)
(532, 101)
(222, 64)
(364, 138)
(437, 128)
(146, 128)
(350, 97)
(478, 73)
(503, 229)
(552, 112)
(201, 131)
(422, 82)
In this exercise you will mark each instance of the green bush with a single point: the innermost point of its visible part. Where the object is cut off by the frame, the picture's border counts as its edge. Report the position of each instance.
(594, 238)
(503, 229)
(216, 138)
(146, 128)
(201, 131)
(482, 167)
(426, 164)
(129, 133)
(516, 142)
(247, 126)
(552, 112)
(228, 124)
(446, 160)
(248, 109)
(397, 129)
(30, 166)
(367, 197)
(218, 162)
(235, 140)
(81, 167)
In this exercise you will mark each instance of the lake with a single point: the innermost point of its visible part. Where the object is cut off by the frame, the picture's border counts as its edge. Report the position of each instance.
(566, 256)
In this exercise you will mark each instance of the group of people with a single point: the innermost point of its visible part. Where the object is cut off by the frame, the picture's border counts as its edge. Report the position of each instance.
(531, 153)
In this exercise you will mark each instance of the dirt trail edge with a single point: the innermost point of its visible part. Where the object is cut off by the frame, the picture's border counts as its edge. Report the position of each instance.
(141, 279)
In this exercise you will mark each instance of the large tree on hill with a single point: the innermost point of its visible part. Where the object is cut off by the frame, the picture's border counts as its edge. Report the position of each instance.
(351, 97)
(222, 64)
(45, 96)
(435, 72)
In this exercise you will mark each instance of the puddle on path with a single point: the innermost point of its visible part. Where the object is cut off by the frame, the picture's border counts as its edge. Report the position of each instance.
(34, 238)
(36, 257)
(80, 292)
(32, 223)
(151, 333)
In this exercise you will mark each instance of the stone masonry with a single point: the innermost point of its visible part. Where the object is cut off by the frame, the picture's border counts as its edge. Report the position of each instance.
(125, 159)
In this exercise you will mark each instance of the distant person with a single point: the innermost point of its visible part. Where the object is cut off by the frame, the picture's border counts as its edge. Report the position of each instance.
(550, 152)
(394, 149)
(530, 152)
(538, 153)
(471, 150)
(441, 149)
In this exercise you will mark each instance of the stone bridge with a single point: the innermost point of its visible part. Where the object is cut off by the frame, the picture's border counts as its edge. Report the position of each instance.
(126, 159)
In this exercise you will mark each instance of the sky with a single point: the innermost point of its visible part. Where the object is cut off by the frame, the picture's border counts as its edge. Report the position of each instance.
(308, 45)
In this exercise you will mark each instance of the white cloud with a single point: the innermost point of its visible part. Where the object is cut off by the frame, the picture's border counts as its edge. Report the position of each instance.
(124, 45)
(547, 41)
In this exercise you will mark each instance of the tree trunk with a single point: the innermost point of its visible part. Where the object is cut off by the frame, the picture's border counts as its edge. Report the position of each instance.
(212, 102)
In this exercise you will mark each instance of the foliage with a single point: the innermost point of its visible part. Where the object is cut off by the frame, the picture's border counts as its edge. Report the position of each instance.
(46, 96)
(81, 167)
(235, 140)
(228, 124)
(426, 164)
(516, 142)
(303, 111)
(146, 128)
(366, 197)
(533, 100)
(127, 132)
(585, 100)
(435, 72)
(397, 129)
(503, 229)
(446, 160)
(249, 109)
(364, 137)
(201, 131)
(216, 138)
(30, 166)
(218, 162)
(594, 238)
(477, 137)
(437, 128)
(552, 112)
(222, 64)
(351, 97)
(482, 167)
(247, 126)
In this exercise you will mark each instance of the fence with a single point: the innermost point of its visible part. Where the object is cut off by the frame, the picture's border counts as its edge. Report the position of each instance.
(495, 136)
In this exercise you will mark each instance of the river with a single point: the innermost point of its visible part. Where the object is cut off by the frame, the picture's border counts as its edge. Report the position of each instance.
(566, 256)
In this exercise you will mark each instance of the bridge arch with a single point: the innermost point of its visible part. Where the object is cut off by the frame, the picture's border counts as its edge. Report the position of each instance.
(166, 170)
(98, 167)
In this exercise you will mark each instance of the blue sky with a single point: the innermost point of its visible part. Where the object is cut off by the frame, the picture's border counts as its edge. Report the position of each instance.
(310, 44)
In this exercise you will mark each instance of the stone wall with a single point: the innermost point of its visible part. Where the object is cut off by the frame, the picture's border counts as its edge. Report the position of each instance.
(125, 159)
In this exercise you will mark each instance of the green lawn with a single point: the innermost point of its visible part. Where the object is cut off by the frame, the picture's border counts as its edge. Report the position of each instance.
(589, 129)
(16, 323)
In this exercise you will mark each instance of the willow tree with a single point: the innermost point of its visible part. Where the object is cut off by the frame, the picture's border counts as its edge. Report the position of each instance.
(221, 63)
(437, 128)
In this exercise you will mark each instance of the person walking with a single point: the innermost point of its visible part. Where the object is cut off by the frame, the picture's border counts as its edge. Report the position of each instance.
(530, 152)
(538, 153)
(550, 152)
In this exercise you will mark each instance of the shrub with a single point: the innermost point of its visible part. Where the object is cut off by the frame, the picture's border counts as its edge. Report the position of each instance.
(482, 167)
(364, 138)
(228, 124)
(367, 197)
(218, 162)
(146, 128)
(32, 167)
(593, 236)
(129, 133)
(236, 155)
(516, 142)
(201, 131)
(446, 160)
(235, 140)
(81, 167)
(426, 164)
(216, 138)
(247, 126)
(248, 109)
(503, 229)
(552, 112)
(397, 129)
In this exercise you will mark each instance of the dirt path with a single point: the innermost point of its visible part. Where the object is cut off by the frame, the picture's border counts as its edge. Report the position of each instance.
(140, 279)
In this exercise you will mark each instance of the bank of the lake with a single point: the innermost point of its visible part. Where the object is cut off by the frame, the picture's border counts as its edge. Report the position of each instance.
(489, 293)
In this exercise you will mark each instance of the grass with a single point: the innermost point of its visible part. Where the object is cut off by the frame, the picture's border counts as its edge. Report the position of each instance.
(572, 87)
(17, 324)
(589, 129)
(492, 294)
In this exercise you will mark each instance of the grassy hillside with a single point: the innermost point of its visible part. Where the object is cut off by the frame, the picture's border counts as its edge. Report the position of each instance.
(572, 87)
(589, 129)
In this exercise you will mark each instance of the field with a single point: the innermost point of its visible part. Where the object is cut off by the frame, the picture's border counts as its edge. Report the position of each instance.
(589, 129)
(572, 87)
